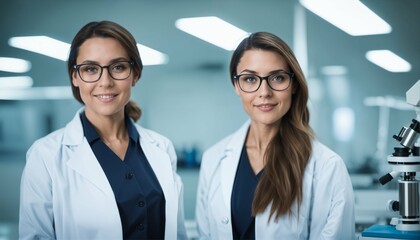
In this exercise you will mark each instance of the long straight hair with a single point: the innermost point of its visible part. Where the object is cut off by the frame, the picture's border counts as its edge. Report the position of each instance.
(107, 29)
(288, 152)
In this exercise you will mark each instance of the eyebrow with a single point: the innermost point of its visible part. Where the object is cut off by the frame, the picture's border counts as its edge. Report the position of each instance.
(254, 72)
(110, 62)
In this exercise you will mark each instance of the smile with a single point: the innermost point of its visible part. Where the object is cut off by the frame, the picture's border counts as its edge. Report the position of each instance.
(105, 96)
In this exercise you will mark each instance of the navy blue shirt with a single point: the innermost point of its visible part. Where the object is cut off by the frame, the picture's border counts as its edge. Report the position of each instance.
(243, 223)
(137, 191)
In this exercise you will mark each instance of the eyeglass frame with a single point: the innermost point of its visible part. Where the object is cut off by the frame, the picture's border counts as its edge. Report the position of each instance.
(77, 68)
(290, 74)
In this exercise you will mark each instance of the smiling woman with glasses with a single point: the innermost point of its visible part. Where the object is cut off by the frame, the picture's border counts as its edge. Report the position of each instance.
(272, 179)
(103, 176)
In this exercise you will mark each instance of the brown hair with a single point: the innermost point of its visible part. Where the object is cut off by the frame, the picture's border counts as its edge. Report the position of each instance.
(107, 29)
(289, 150)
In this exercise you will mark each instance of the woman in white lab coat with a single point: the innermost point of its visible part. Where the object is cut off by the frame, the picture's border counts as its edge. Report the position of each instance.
(102, 176)
(272, 179)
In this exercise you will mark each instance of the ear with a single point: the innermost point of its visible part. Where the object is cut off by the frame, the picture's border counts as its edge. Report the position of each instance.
(136, 78)
(237, 90)
(134, 82)
(73, 79)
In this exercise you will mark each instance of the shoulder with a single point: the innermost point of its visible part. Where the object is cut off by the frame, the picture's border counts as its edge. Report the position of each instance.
(227, 146)
(321, 152)
(44, 151)
(229, 143)
(217, 150)
(51, 141)
(151, 136)
(325, 161)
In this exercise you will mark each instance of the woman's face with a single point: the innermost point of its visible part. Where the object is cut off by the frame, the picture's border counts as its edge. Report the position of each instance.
(264, 106)
(107, 96)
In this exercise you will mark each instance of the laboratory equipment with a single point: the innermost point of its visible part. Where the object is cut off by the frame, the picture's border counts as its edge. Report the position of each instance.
(405, 163)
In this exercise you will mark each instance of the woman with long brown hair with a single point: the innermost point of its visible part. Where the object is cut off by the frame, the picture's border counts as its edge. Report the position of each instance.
(272, 179)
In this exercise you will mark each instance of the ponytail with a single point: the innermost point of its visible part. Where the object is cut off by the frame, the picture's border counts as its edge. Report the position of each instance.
(132, 110)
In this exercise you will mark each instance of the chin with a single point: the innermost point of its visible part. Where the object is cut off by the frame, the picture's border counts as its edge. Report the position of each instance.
(267, 121)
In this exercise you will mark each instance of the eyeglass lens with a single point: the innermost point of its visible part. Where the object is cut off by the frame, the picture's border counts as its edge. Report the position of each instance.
(93, 72)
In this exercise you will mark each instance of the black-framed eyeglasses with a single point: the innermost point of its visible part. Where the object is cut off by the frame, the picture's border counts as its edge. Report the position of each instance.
(278, 81)
(91, 72)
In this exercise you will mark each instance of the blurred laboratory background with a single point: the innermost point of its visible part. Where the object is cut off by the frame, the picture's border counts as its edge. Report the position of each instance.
(356, 103)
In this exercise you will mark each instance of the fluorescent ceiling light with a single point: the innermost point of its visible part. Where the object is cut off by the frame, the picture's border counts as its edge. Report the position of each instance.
(150, 56)
(37, 93)
(14, 65)
(388, 61)
(42, 45)
(213, 30)
(60, 50)
(351, 16)
(15, 82)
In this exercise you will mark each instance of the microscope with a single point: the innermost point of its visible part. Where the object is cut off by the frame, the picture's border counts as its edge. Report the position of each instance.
(405, 163)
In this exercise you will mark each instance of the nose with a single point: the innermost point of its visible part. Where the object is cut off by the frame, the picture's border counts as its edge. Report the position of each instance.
(105, 79)
(264, 90)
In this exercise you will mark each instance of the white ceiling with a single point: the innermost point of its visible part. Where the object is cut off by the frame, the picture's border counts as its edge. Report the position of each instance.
(152, 24)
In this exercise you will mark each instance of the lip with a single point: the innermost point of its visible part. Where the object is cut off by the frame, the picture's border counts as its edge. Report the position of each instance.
(265, 107)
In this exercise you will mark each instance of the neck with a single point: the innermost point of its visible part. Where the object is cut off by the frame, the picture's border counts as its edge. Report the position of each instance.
(259, 136)
(110, 128)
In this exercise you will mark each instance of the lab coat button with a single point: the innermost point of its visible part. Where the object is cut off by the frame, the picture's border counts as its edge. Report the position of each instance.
(129, 176)
(225, 220)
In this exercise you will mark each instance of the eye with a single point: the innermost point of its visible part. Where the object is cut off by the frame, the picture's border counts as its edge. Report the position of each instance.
(249, 78)
(91, 69)
(278, 77)
(119, 66)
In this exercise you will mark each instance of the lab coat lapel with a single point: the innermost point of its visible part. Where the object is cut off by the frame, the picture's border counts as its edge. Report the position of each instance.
(230, 162)
(161, 165)
(83, 161)
(160, 162)
(81, 157)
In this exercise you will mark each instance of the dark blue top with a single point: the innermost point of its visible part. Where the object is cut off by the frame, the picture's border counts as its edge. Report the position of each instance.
(137, 191)
(243, 223)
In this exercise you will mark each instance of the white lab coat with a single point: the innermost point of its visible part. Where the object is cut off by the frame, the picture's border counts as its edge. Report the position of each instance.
(327, 210)
(65, 194)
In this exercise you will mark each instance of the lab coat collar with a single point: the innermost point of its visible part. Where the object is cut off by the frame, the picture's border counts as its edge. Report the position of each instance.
(73, 133)
(238, 137)
(230, 161)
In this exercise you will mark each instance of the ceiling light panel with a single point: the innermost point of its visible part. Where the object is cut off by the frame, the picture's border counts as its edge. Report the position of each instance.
(15, 82)
(43, 45)
(37, 93)
(351, 16)
(14, 65)
(388, 61)
(57, 49)
(213, 30)
(151, 56)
